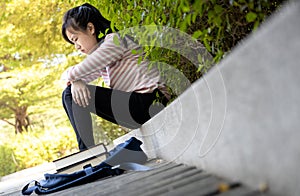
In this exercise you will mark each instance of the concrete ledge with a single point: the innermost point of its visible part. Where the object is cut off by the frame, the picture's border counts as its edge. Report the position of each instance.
(241, 120)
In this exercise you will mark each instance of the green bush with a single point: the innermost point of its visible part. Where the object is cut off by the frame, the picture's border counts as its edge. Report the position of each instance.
(218, 25)
(33, 148)
(7, 160)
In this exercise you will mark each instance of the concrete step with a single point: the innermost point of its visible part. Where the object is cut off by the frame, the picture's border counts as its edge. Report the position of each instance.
(166, 178)
(241, 120)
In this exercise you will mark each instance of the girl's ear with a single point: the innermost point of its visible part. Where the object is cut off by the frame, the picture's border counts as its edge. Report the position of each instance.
(91, 28)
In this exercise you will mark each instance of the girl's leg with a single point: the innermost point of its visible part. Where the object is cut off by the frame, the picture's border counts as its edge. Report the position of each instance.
(128, 109)
(80, 119)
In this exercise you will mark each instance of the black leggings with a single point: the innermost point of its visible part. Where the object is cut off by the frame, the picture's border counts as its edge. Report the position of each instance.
(128, 109)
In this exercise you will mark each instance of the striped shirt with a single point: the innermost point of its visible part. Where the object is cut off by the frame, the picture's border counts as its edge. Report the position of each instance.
(118, 65)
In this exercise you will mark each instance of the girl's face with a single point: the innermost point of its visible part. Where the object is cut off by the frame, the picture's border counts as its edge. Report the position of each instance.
(84, 41)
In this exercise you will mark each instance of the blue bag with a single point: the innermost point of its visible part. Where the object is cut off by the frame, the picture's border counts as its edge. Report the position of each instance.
(125, 156)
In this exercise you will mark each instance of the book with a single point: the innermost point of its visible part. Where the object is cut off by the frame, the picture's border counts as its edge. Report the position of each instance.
(94, 155)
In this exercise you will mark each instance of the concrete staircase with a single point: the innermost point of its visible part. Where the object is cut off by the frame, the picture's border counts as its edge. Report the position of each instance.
(241, 120)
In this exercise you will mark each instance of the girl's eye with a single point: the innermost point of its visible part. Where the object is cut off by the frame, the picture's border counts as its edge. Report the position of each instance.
(74, 39)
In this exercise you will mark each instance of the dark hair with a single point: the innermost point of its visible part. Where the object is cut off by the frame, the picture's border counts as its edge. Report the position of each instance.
(78, 18)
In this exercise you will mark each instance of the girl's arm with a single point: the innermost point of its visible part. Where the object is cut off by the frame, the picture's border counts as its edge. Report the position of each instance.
(107, 54)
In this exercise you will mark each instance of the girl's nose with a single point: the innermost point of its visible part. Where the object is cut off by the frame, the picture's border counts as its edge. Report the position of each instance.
(77, 46)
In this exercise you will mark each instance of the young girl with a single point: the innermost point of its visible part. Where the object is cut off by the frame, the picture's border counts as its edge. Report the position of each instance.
(133, 86)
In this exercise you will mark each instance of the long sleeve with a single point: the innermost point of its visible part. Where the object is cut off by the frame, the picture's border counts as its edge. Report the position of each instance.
(107, 54)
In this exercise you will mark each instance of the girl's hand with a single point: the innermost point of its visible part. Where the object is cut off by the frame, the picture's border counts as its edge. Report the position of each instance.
(80, 93)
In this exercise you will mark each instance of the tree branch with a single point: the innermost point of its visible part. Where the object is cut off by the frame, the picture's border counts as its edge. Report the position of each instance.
(8, 122)
(8, 106)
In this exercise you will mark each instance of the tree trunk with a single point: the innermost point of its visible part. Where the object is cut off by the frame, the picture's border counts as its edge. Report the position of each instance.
(22, 119)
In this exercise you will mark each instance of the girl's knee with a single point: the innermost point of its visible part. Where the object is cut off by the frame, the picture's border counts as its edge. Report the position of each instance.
(66, 93)
(67, 90)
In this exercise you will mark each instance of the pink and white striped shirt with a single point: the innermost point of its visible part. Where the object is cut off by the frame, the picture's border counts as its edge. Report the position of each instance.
(119, 68)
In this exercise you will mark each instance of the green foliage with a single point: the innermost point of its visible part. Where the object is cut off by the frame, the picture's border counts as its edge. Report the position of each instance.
(7, 160)
(22, 89)
(30, 39)
(219, 25)
(30, 30)
(105, 131)
(33, 148)
(43, 147)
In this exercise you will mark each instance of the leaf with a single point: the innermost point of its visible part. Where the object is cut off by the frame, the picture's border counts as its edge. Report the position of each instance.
(197, 34)
(251, 16)
(116, 40)
(133, 51)
(140, 59)
(100, 35)
(218, 9)
(185, 9)
(211, 14)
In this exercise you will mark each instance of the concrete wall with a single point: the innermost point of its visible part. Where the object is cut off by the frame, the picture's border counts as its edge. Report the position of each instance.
(241, 120)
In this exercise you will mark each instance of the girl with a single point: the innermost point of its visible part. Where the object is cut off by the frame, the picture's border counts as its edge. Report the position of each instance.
(132, 88)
